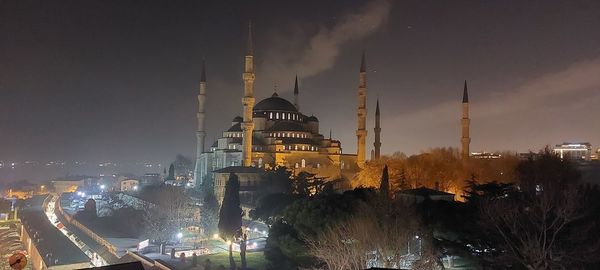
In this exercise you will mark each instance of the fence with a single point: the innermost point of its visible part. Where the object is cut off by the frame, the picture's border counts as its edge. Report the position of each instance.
(110, 247)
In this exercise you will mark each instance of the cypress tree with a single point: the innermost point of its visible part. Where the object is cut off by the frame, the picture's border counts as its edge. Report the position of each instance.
(384, 186)
(230, 214)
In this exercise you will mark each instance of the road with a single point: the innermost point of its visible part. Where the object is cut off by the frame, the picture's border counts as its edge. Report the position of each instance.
(50, 212)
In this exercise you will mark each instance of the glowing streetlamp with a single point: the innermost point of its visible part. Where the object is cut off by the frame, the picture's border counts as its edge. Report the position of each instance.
(135, 187)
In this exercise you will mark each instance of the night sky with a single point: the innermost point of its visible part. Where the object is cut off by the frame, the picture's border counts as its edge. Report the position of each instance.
(117, 80)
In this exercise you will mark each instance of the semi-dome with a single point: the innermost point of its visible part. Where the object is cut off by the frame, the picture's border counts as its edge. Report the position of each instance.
(312, 118)
(275, 103)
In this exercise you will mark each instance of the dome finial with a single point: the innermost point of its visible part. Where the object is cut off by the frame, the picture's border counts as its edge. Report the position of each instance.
(275, 90)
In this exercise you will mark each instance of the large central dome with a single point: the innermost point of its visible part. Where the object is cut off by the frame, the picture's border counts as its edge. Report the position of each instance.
(275, 103)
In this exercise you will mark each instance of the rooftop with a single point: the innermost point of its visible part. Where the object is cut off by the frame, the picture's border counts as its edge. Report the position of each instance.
(239, 169)
(52, 241)
(275, 103)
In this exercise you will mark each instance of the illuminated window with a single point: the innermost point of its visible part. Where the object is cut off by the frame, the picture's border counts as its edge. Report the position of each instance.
(296, 165)
(270, 115)
(276, 115)
(260, 162)
(318, 165)
(295, 147)
(303, 163)
(283, 116)
(303, 148)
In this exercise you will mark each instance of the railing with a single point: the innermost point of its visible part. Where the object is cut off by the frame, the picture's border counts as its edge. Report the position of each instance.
(159, 264)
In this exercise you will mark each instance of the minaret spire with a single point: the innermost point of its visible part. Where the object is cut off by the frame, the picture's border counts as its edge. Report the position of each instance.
(377, 129)
(248, 101)
(249, 47)
(200, 133)
(296, 96)
(361, 131)
(465, 124)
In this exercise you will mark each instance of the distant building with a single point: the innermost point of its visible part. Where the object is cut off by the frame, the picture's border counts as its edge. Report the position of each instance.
(249, 177)
(596, 156)
(129, 184)
(485, 155)
(574, 151)
(418, 195)
(528, 155)
(151, 179)
(61, 186)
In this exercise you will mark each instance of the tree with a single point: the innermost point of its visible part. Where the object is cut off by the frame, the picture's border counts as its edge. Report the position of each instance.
(270, 207)
(183, 165)
(171, 175)
(169, 212)
(230, 215)
(384, 186)
(306, 217)
(307, 184)
(371, 239)
(90, 208)
(441, 167)
(275, 181)
(209, 211)
(540, 221)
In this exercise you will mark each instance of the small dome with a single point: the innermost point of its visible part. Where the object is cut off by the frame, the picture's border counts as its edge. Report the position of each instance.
(238, 119)
(312, 118)
(235, 128)
(275, 103)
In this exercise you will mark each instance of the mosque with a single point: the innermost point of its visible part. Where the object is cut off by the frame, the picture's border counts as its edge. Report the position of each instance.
(274, 132)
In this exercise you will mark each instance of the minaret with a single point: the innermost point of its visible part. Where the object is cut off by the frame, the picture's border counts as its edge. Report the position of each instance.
(248, 102)
(361, 131)
(465, 122)
(296, 98)
(377, 129)
(200, 133)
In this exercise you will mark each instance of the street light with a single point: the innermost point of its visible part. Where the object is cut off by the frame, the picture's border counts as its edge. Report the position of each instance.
(179, 235)
(135, 187)
(102, 186)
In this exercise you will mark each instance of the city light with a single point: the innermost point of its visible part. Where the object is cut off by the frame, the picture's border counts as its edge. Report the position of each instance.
(179, 235)
(216, 236)
(102, 187)
(135, 187)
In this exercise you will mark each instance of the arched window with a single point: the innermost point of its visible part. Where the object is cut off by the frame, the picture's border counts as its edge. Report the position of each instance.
(270, 115)
(260, 162)
(276, 115)
(303, 148)
(295, 147)
(303, 163)
(296, 165)
(283, 116)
